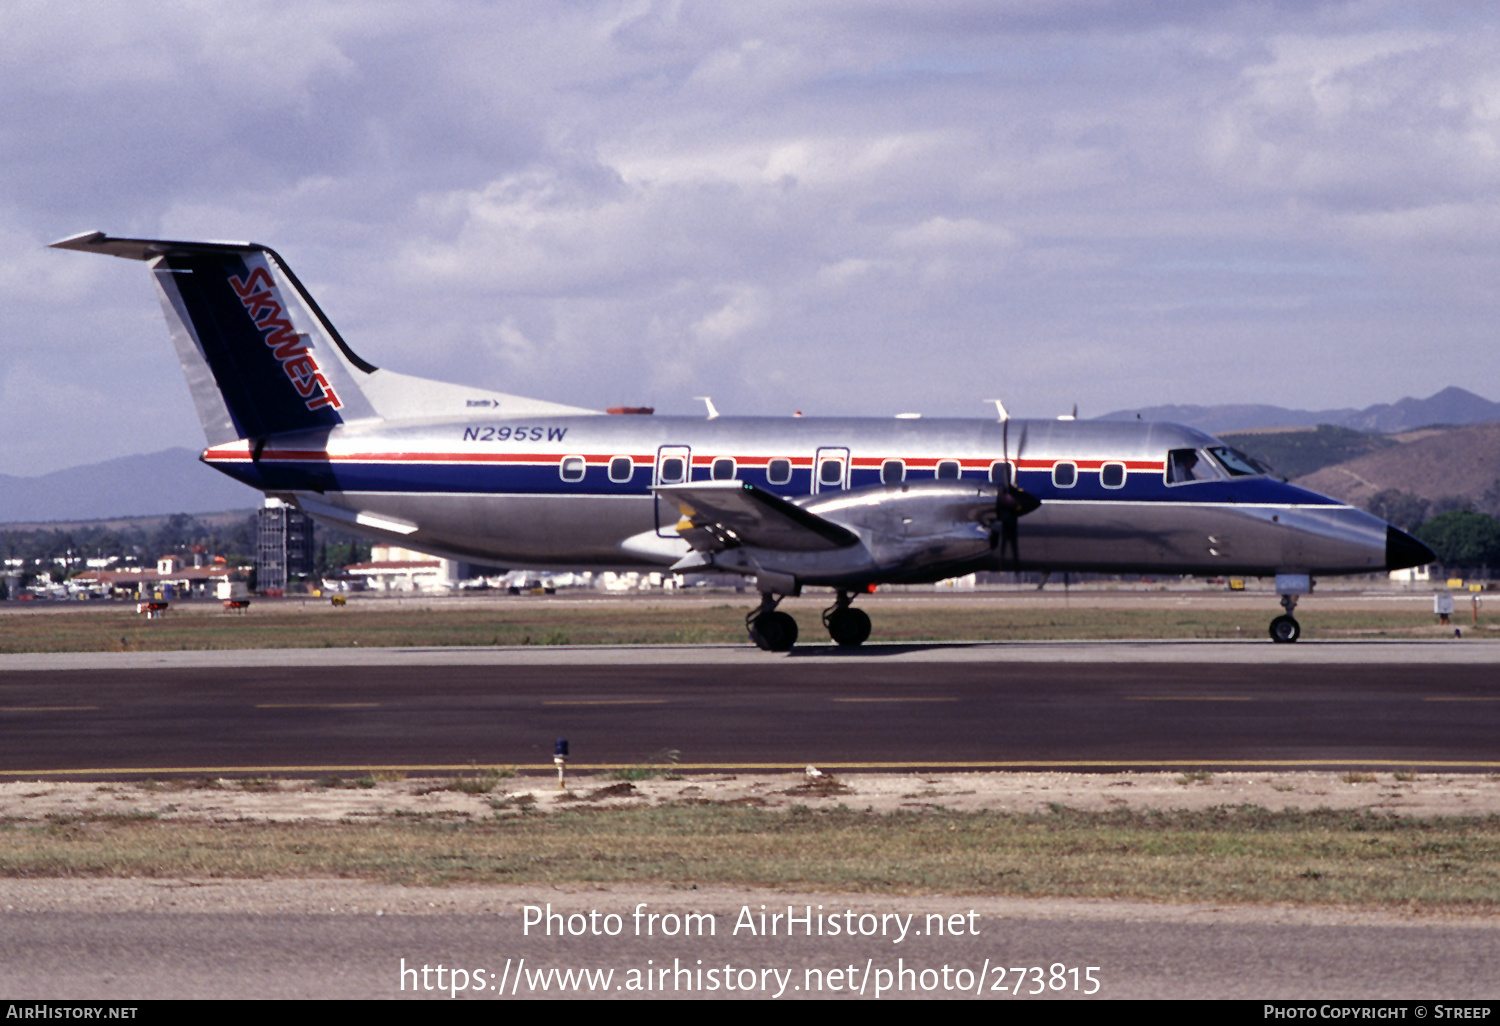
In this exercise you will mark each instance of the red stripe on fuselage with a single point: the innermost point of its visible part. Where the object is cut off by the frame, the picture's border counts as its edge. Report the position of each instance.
(244, 454)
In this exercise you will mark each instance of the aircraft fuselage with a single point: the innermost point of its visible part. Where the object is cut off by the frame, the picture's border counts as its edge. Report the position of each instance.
(566, 492)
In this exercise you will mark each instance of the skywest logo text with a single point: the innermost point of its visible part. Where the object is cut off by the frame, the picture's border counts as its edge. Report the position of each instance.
(297, 363)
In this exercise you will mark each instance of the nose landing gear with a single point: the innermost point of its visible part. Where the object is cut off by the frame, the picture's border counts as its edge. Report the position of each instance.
(1290, 586)
(847, 626)
(1285, 628)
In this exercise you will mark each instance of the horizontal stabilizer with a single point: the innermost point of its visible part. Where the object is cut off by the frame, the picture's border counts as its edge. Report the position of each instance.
(740, 511)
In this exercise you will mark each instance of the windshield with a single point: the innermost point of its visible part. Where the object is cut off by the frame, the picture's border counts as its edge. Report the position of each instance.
(1236, 462)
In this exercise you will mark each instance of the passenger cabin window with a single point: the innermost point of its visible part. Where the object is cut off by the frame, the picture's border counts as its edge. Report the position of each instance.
(778, 472)
(1000, 473)
(831, 473)
(1112, 475)
(892, 472)
(1185, 466)
(723, 469)
(947, 470)
(572, 468)
(1064, 475)
(621, 468)
(672, 470)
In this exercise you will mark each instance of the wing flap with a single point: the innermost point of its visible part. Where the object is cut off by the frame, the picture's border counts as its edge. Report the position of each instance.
(722, 513)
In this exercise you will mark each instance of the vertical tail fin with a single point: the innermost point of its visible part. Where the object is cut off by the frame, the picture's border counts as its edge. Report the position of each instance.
(260, 356)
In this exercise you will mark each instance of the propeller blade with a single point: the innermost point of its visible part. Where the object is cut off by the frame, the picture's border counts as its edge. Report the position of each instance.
(1011, 503)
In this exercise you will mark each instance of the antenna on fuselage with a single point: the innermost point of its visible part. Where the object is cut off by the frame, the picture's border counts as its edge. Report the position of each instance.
(713, 411)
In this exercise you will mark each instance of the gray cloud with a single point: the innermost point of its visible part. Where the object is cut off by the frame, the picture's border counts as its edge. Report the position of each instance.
(837, 207)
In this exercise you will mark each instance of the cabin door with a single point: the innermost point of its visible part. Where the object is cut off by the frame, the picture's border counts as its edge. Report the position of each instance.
(674, 465)
(831, 470)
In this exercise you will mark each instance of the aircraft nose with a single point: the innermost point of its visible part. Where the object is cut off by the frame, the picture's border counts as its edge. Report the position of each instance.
(1402, 551)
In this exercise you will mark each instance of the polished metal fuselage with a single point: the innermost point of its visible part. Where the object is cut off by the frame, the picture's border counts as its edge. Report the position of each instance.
(555, 492)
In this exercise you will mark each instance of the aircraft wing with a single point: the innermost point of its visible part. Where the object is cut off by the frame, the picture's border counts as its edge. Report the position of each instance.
(719, 514)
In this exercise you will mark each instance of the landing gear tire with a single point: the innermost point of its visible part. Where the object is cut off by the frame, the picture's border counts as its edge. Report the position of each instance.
(1285, 630)
(849, 627)
(774, 632)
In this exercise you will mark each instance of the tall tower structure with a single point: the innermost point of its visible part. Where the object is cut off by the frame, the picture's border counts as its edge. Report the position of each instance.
(284, 545)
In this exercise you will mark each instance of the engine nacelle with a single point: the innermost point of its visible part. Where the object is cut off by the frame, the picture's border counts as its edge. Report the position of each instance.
(920, 523)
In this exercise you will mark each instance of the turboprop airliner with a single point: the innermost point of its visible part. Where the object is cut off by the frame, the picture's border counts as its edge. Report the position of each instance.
(846, 503)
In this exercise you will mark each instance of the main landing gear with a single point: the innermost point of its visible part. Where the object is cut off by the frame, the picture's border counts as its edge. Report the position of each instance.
(847, 626)
(1285, 628)
(770, 630)
(777, 632)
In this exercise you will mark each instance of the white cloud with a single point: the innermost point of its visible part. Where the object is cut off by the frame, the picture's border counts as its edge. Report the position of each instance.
(743, 309)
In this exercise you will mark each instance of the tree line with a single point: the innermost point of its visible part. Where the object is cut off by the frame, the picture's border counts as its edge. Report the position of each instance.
(1460, 531)
(69, 549)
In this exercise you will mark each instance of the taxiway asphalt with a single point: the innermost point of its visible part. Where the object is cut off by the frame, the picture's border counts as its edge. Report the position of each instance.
(1055, 705)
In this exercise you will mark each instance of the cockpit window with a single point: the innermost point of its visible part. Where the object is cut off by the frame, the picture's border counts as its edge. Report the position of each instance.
(1184, 465)
(1236, 462)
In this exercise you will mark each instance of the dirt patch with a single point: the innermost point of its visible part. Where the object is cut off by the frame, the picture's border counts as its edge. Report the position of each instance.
(263, 800)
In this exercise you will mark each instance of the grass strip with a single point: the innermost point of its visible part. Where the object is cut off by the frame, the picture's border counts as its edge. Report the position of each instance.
(113, 628)
(1244, 855)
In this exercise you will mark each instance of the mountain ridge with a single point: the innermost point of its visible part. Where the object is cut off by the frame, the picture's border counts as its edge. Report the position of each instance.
(1451, 406)
(152, 484)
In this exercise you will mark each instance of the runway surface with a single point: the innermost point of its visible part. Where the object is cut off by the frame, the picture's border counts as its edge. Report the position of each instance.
(1106, 707)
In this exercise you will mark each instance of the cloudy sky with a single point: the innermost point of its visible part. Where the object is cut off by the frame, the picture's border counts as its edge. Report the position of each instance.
(840, 207)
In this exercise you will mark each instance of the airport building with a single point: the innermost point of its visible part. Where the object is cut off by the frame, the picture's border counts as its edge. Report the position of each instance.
(175, 577)
(392, 568)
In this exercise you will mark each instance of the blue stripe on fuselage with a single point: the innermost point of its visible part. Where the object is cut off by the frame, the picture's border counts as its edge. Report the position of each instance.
(544, 479)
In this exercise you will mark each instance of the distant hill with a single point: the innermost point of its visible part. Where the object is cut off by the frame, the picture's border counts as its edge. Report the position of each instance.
(1450, 406)
(170, 481)
(1301, 451)
(1463, 461)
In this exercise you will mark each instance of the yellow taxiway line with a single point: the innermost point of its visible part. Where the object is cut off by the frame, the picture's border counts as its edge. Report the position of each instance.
(705, 767)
